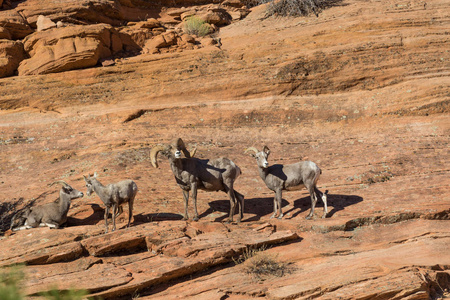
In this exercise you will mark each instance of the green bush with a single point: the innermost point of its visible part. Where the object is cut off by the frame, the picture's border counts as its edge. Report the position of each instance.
(9, 284)
(11, 287)
(196, 26)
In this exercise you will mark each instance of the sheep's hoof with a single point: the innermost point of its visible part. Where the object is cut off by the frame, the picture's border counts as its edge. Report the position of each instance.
(272, 216)
(308, 217)
(324, 216)
(280, 217)
(195, 219)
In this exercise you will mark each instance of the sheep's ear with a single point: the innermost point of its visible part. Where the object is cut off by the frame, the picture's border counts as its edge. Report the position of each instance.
(266, 150)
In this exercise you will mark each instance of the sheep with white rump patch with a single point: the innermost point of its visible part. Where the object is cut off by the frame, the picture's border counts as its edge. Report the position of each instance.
(113, 195)
(192, 174)
(291, 177)
(52, 214)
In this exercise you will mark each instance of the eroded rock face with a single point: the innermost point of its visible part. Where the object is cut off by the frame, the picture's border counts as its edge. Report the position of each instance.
(73, 47)
(15, 24)
(11, 54)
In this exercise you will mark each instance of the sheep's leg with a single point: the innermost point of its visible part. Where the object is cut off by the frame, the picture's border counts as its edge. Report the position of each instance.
(186, 201)
(113, 216)
(240, 202)
(279, 200)
(313, 196)
(50, 225)
(324, 197)
(230, 193)
(274, 206)
(22, 228)
(194, 199)
(119, 211)
(130, 210)
(106, 218)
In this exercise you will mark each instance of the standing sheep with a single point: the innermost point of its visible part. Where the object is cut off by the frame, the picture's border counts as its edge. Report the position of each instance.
(113, 195)
(192, 174)
(291, 177)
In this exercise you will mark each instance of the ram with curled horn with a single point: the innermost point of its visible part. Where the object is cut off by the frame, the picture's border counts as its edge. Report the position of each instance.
(192, 174)
(52, 214)
(291, 177)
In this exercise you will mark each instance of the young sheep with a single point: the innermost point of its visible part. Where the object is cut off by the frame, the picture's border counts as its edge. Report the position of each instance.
(113, 195)
(52, 214)
(289, 178)
(192, 174)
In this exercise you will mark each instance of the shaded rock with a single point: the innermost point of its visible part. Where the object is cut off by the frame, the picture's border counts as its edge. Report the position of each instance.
(44, 23)
(233, 3)
(11, 54)
(4, 34)
(218, 17)
(15, 24)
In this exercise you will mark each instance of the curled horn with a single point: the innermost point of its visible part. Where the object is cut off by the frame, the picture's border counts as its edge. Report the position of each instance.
(181, 146)
(251, 149)
(60, 182)
(154, 153)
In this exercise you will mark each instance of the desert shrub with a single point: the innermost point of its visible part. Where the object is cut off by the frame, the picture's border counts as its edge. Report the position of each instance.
(56, 294)
(296, 8)
(10, 284)
(264, 264)
(11, 287)
(261, 264)
(196, 26)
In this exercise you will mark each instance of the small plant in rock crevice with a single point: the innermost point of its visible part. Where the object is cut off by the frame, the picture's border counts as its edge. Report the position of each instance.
(261, 264)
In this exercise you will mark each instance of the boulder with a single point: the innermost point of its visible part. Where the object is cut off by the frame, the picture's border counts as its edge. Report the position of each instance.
(161, 41)
(4, 34)
(218, 17)
(11, 54)
(15, 24)
(72, 47)
(44, 23)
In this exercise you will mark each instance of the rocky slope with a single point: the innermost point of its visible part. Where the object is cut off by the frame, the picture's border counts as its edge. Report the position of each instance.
(362, 90)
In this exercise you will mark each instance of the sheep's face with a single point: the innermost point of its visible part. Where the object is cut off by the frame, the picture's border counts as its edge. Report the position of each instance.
(261, 158)
(172, 150)
(89, 186)
(73, 193)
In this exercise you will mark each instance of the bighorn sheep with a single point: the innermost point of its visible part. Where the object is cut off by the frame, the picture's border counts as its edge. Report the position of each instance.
(113, 195)
(290, 178)
(52, 214)
(192, 174)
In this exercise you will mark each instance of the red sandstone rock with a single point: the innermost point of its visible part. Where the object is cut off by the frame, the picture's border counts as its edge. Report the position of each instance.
(15, 24)
(73, 47)
(361, 90)
(44, 23)
(11, 54)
